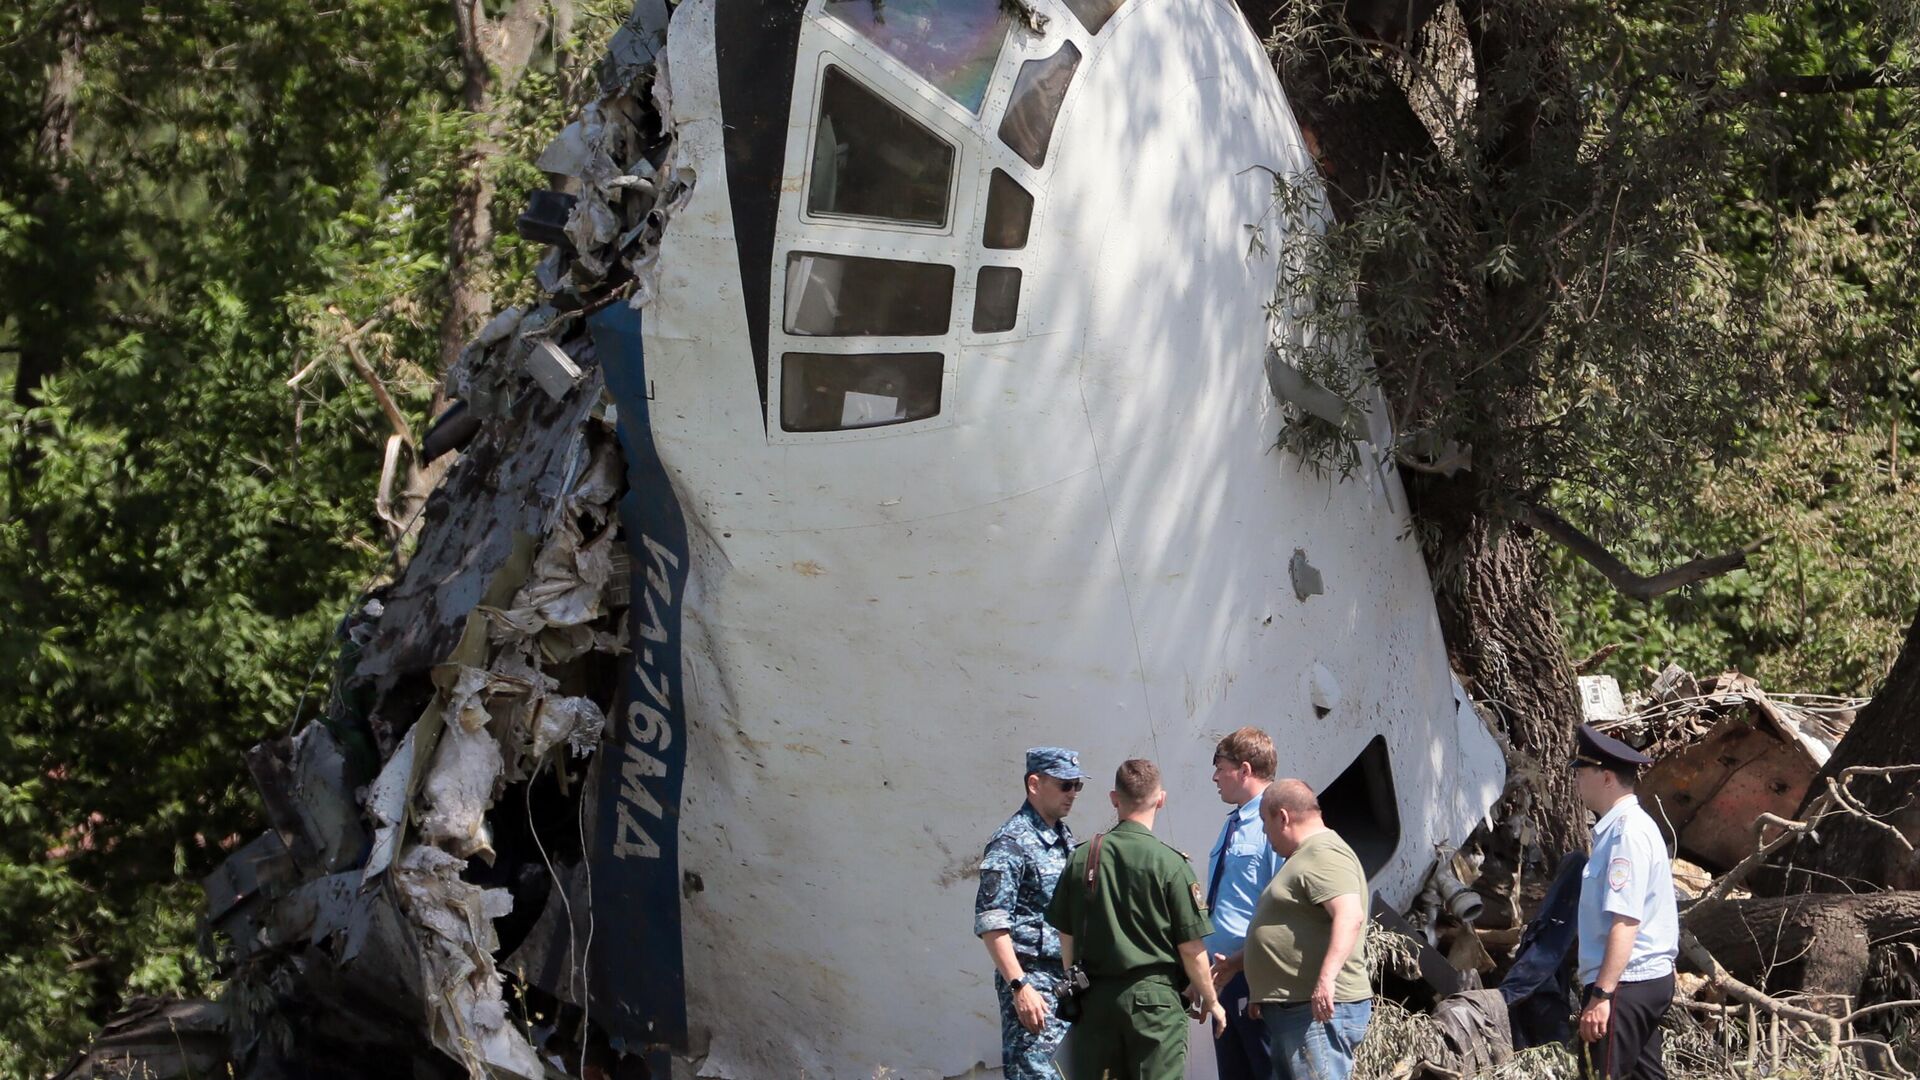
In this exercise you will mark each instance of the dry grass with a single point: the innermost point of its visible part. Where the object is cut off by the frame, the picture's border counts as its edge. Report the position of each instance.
(1398, 1041)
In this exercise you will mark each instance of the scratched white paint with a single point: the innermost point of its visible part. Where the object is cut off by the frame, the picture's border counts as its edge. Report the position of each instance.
(1087, 547)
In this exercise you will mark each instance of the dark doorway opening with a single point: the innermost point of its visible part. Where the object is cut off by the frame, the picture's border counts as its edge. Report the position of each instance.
(1362, 807)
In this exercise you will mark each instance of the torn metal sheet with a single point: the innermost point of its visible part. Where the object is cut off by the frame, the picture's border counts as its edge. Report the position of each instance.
(552, 369)
(567, 154)
(323, 797)
(1714, 789)
(1724, 755)
(256, 864)
(635, 46)
(152, 1039)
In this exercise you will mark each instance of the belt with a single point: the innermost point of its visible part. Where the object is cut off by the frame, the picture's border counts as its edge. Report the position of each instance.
(1137, 975)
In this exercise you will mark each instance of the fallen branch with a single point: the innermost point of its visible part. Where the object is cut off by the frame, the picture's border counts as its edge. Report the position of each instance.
(1838, 798)
(1859, 809)
(1724, 981)
(1790, 831)
(1595, 554)
(1596, 658)
(353, 332)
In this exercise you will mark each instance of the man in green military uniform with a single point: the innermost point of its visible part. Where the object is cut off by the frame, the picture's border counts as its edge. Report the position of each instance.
(1138, 925)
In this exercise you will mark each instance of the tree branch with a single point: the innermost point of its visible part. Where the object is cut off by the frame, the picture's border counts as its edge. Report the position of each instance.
(372, 378)
(1784, 85)
(1595, 554)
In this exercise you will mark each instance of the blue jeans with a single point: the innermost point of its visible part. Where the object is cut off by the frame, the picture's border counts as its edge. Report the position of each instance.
(1309, 1049)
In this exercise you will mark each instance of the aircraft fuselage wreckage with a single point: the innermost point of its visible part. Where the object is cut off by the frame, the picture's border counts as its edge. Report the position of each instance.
(900, 400)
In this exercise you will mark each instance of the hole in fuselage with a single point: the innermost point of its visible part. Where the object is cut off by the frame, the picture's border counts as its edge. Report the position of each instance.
(1363, 808)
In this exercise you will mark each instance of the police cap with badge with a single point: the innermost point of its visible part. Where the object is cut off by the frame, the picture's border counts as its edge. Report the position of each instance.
(1598, 750)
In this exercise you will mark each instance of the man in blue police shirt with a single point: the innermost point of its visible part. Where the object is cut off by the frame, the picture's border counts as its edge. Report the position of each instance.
(1018, 873)
(1629, 925)
(1238, 870)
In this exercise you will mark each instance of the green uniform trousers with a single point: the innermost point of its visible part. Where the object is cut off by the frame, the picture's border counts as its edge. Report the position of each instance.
(1129, 1030)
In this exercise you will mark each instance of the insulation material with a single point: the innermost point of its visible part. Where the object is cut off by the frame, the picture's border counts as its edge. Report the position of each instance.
(569, 580)
(459, 789)
(467, 765)
(468, 1014)
(387, 803)
(577, 721)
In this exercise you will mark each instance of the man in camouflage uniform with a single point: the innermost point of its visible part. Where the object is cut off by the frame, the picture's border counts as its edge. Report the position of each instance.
(1017, 875)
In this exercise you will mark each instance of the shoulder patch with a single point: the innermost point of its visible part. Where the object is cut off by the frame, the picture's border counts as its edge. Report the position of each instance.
(1199, 904)
(1619, 873)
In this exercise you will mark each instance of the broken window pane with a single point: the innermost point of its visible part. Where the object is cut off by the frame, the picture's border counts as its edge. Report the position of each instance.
(1093, 14)
(871, 160)
(952, 44)
(996, 299)
(833, 392)
(1009, 212)
(846, 295)
(1037, 93)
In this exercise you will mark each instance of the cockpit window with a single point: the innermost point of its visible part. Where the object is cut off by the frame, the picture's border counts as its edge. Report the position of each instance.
(1037, 93)
(871, 160)
(1093, 14)
(832, 392)
(996, 299)
(1009, 213)
(952, 44)
(846, 295)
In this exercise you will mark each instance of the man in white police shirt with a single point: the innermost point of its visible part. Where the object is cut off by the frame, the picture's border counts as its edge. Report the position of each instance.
(1629, 926)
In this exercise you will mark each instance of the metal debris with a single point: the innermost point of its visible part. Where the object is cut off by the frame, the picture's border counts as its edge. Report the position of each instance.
(1600, 700)
(465, 680)
(1725, 753)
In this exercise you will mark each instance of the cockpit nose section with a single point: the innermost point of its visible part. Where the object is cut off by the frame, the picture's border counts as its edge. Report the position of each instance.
(893, 213)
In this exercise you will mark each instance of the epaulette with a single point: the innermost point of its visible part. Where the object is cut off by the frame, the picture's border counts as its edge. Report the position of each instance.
(1176, 850)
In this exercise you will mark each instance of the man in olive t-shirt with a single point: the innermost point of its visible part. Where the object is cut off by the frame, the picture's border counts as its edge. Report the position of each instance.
(1306, 953)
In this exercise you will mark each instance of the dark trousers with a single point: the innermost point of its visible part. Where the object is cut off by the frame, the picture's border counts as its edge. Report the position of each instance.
(1631, 1050)
(1242, 1053)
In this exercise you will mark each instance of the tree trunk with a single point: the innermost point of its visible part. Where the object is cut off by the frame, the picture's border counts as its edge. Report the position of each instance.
(1495, 610)
(1806, 944)
(494, 54)
(51, 294)
(1849, 853)
(1507, 647)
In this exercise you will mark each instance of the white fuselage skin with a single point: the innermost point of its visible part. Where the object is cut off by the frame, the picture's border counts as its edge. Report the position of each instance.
(1088, 546)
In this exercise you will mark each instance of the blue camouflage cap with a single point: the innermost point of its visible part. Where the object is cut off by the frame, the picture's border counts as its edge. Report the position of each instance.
(1056, 761)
